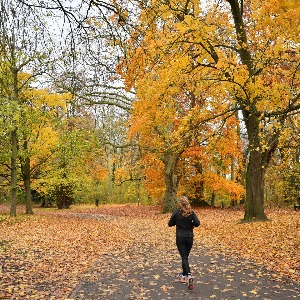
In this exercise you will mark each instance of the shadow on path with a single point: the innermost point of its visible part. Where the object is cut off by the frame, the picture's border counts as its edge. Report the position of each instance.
(141, 273)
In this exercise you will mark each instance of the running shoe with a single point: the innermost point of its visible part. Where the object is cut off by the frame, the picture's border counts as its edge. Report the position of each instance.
(182, 278)
(190, 282)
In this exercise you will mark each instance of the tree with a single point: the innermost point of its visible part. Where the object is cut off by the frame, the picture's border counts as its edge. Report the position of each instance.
(38, 131)
(68, 170)
(20, 49)
(213, 169)
(123, 175)
(264, 123)
(85, 56)
(251, 49)
(170, 115)
(175, 110)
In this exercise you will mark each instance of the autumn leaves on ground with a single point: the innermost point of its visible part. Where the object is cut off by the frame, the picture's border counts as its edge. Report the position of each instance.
(44, 256)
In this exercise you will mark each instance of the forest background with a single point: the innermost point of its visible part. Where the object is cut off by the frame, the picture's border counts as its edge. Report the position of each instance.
(142, 101)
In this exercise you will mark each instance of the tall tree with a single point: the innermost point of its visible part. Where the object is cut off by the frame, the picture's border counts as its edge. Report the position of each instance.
(175, 107)
(248, 48)
(21, 49)
(266, 98)
(173, 112)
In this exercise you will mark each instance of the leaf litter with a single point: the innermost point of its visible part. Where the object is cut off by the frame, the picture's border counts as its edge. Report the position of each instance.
(46, 255)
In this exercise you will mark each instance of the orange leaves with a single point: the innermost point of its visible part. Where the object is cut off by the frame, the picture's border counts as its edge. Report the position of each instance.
(98, 172)
(153, 170)
(46, 255)
(223, 187)
(275, 243)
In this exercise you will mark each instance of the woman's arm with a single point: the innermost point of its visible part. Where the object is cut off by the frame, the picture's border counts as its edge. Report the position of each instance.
(172, 221)
(196, 221)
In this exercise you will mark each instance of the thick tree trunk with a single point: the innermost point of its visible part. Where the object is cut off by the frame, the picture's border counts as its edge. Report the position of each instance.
(255, 181)
(14, 153)
(255, 174)
(259, 159)
(171, 182)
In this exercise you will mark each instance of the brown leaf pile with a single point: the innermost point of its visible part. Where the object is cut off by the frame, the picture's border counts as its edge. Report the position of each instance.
(275, 243)
(44, 256)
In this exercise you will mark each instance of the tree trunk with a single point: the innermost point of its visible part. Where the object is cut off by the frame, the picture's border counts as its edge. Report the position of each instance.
(110, 172)
(213, 199)
(25, 167)
(255, 174)
(14, 153)
(171, 182)
(14, 136)
(255, 179)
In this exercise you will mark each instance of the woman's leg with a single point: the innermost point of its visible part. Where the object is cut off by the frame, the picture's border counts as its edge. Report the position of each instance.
(184, 246)
(189, 244)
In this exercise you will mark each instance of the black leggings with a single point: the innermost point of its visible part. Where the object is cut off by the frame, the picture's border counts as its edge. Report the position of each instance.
(184, 245)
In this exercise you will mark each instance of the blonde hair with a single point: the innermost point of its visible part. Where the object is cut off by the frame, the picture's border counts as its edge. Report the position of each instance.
(184, 206)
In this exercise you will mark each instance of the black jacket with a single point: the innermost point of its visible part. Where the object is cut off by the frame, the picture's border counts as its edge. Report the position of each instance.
(184, 225)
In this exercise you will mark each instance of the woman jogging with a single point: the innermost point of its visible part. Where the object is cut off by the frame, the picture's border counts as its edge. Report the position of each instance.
(185, 220)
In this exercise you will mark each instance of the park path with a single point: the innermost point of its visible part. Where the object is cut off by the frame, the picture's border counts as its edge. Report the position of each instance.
(149, 270)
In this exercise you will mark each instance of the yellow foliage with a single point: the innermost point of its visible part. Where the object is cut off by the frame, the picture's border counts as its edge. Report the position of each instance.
(188, 68)
(42, 98)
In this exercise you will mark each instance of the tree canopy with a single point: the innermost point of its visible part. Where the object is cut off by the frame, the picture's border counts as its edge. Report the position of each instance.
(151, 100)
(244, 53)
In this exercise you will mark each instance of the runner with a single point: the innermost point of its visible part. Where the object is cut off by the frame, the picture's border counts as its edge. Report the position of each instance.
(185, 220)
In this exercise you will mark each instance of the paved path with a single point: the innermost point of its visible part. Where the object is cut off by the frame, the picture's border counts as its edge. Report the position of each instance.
(144, 273)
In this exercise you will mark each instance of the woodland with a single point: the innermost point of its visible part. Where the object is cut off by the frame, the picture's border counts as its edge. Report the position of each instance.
(121, 106)
(142, 101)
